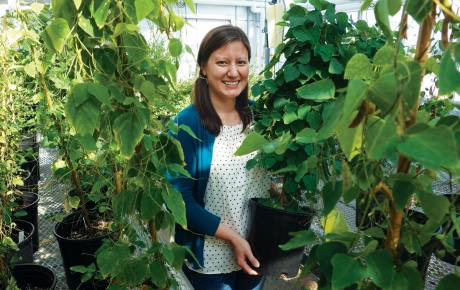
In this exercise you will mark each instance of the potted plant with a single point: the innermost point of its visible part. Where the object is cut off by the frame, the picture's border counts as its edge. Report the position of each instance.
(104, 113)
(389, 145)
(293, 144)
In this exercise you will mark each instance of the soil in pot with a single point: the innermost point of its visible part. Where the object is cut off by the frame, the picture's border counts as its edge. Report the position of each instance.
(270, 228)
(76, 247)
(22, 236)
(28, 202)
(34, 277)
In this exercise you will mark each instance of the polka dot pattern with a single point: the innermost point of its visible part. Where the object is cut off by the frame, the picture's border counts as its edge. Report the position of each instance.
(229, 188)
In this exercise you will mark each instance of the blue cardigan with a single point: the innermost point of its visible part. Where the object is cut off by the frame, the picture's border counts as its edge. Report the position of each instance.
(198, 157)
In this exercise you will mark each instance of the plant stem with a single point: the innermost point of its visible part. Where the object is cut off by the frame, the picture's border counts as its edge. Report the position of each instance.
(75, 178)
(421, 54)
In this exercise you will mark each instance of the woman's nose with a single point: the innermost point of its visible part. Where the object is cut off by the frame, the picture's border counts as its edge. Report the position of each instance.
(232, 70)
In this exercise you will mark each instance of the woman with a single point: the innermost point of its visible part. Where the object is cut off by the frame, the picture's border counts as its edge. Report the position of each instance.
(217, 195)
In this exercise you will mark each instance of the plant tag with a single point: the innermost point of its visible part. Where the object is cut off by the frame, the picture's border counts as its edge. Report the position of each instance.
(84, 224)
(21, 236)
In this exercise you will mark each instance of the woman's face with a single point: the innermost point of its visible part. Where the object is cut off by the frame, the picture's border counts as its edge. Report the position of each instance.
(227, 71)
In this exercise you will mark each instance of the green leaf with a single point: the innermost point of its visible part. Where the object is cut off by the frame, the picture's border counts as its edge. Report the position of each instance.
(291, 73)
(101, 93)
(394, 6)
(253, 141)
(403, 189)
(55, 34)
(325, 252)
(158, 270)
(85, 24)
(175, 203)
(299, 239)
(131, 272)
(317, 91)
(384, 141)
(359, 67)
(433, 147)
(136, 47)
(350, 139)
(434, 206)
(383, 92)
(356, 94)
(449, 74)
(382, 17)
(335, 67)
(149, 91)
(384, 56)
(331, 194)
(347, 271)
(85, 117)
(101, 13)
(380, 268)
(448, 282)
(410, 75)
(80, 93)
(123, 204)
(108, 258)
(128, 130)
(151, 203)
(419, 9)
(306, 136)
(143, 8)
(175, 47)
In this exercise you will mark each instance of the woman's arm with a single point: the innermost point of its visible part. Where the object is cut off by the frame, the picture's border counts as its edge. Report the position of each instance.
(241, 247)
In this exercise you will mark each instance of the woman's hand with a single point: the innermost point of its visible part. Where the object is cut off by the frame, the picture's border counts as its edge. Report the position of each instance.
(241, 247)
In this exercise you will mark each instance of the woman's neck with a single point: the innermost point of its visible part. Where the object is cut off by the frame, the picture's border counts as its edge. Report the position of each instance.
(227, 113)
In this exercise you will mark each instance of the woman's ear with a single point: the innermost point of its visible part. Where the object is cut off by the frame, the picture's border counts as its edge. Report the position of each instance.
(202, 71)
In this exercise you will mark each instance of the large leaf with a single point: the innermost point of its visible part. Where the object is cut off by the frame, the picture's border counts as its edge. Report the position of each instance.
(382, 16)
(384, 141)
(434, 206)
(131, 272)
(175, 203)
(419, 9)
(136, 46)
(448, 282)
(299, 239)
(381, 271)
(350, 139)
(175, 47)
(253, 141)
(449, 72)
(356, 94)
(383, 92)
(325, 252)
(410, 75)
(128, 130)
(101, 12)
(335, 223)
(359, 67)
(347, 271)
(143, 8)
(403, 189)
(331, 194)
(319, 91)
(306, 136)
(84, 117)
(123, 203)
(55, 34)
(151, 203)
(158, 272)
(108, 258)
(432, 147)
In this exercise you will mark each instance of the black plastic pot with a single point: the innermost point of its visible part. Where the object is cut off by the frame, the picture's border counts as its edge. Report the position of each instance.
(76, 252)
(28, 202)
(32, 179)
(269, 228)
(34, 275)
(25, 253)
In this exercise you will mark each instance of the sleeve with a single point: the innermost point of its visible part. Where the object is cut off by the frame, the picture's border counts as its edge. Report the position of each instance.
(199, 220)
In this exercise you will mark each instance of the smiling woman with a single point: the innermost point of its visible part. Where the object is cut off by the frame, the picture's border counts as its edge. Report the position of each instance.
(217, 194)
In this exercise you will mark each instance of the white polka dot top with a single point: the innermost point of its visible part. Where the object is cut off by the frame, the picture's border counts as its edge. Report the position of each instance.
(229, 188)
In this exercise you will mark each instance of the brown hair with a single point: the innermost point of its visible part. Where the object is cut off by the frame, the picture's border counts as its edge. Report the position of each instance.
(213, 40)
